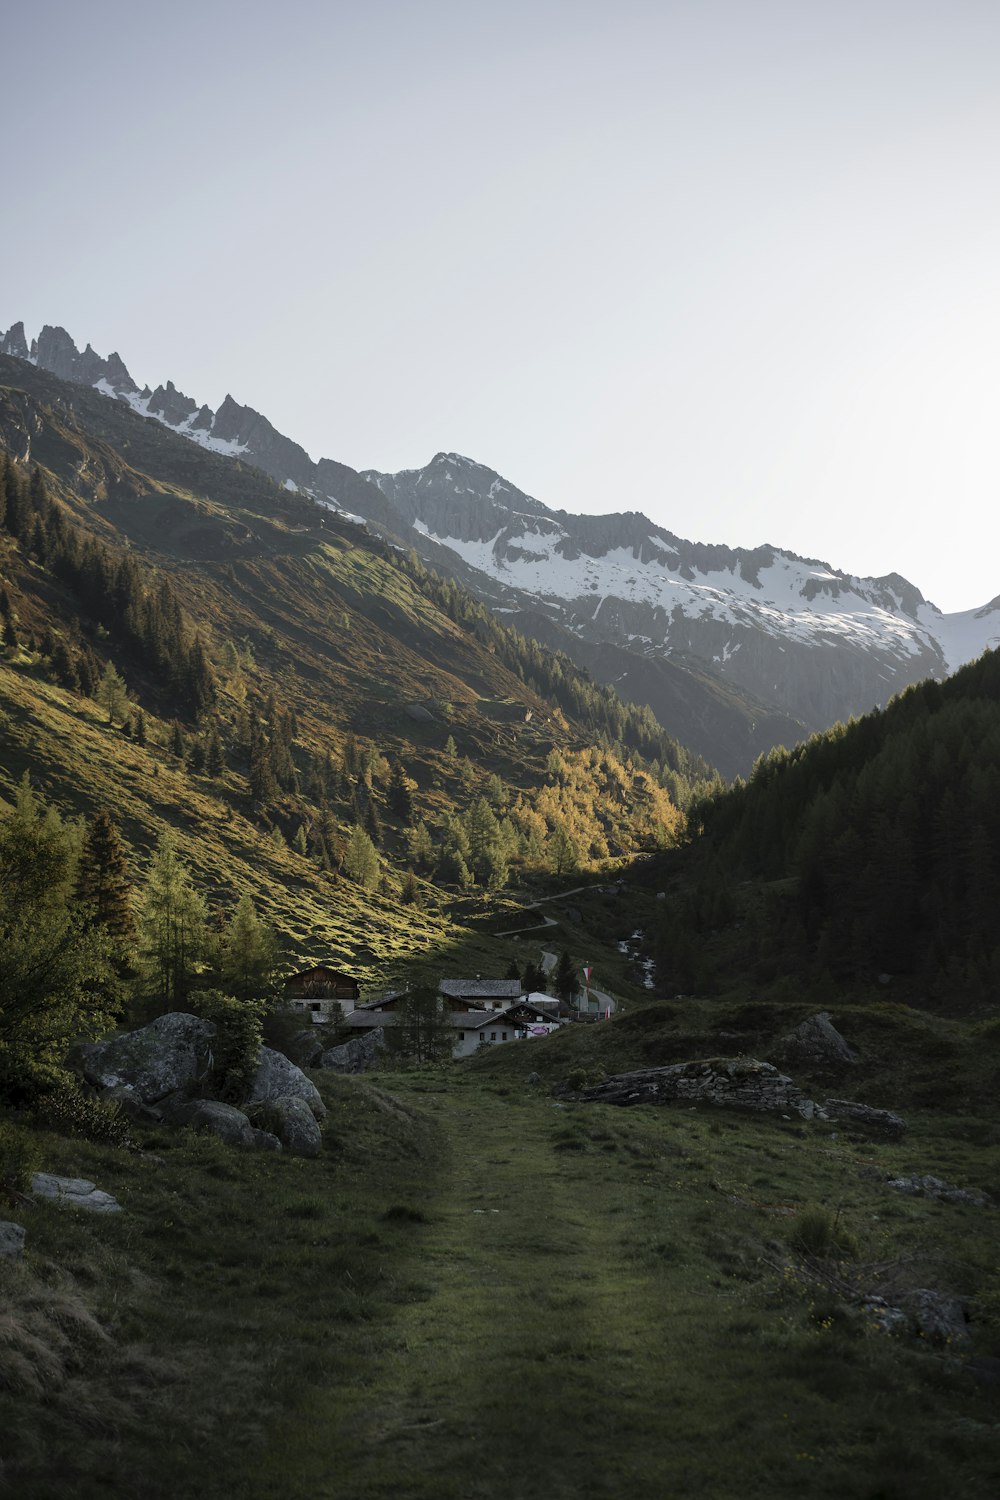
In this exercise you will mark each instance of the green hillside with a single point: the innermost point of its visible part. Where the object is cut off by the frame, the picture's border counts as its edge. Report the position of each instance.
(289, 681)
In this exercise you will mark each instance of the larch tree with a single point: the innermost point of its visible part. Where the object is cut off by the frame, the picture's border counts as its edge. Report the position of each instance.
(172, 928)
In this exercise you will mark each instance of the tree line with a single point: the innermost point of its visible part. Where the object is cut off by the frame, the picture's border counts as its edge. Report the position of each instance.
(889, 826)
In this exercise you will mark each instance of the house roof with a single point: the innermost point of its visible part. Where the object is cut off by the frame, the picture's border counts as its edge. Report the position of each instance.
(496, 989)
(320, 969)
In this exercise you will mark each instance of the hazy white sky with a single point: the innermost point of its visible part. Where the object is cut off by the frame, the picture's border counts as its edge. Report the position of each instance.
(733, 263)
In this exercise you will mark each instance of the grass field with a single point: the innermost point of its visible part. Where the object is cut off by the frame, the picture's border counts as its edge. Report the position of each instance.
(481, 1291)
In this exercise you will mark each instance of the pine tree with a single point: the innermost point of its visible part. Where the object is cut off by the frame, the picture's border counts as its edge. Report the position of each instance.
(263, 786)
(139, 727)
(567, 985)
(177, 740)
(399, 796)
(103, 888)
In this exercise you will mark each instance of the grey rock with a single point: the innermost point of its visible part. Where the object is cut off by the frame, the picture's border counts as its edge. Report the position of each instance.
(357, 1055)
(882, 1121)
(75, 1192)
(11, 1240)
(816, 1041)
(297, 1128)
(308, 1048)
(170, 1054)
(223, 1120)
(533, 1078)
(944, 1192)
(883, 1316)
(938, 1317)
(277, 1078)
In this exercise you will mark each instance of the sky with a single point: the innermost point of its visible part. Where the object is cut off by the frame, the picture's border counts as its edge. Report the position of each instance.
(732, 263)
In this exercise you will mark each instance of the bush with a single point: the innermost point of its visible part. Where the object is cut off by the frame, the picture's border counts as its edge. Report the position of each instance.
(817, 1232)
(239, 1028)
(20, 1159)
(68, 1111)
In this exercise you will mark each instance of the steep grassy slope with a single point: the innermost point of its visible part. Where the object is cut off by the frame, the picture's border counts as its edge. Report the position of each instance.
(324, 652)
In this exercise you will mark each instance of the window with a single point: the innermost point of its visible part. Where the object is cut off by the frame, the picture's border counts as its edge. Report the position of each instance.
(482, 1036)
(461, 1036)
(504, 1037)
(493, 1036)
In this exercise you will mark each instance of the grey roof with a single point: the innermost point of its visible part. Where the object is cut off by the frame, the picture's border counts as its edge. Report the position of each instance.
(478, 989)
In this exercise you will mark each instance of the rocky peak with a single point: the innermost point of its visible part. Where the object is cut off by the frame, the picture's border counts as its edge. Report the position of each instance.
(171, 405)
(14, 342)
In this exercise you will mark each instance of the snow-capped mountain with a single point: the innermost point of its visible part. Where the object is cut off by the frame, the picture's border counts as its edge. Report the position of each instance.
(777, 645)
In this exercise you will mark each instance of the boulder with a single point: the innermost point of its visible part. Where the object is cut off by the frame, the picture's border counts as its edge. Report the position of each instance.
(816, 1043)
(296, 1125)
(170, 1054)
(277, 1078)
(357, 1055)
(11, 1240)
(937, 1316)
(223, 1120)
(75, 1192)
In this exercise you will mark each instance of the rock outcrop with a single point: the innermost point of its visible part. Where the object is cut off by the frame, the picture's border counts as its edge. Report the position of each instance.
(161, 1070)
(74, 1192)
(357, 1055)
(740, 1083)
(736, 1083)
(278, 1078)
(944, 1192)
(882, 1121)
(816, 1043)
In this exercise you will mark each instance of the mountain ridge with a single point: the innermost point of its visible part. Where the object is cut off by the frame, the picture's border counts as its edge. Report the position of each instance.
(797, 644)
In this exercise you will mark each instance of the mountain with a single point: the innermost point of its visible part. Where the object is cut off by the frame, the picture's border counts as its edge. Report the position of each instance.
(301, 682)
(734, 650)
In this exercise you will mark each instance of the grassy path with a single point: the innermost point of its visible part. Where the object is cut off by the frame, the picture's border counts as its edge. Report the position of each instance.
(578, 1323)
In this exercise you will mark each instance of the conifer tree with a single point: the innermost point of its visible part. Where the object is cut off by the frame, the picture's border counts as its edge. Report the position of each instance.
(399, 796)
(103, 888)
(56, 981)
(566, 983)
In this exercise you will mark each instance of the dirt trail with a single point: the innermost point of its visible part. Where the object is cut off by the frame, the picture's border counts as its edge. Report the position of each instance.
(524, 1362)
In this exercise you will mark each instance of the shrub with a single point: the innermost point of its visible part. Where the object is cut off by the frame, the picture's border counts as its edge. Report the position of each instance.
(817, 1232)
(68, 1111)
(239, 1026)
(19, 1161)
